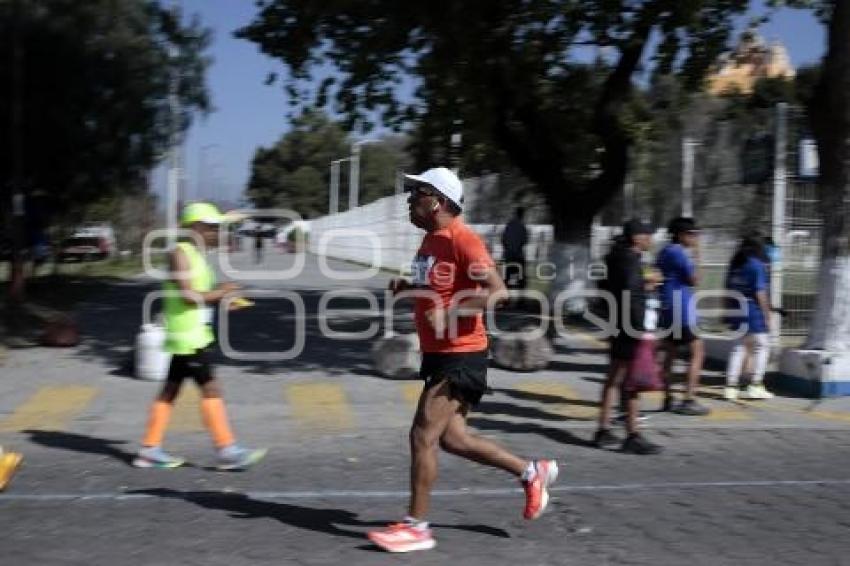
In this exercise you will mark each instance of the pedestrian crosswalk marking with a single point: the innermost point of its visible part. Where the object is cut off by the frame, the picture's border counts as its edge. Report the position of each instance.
(186, 416)
(322, 407)
(572, 407)
(50, 408)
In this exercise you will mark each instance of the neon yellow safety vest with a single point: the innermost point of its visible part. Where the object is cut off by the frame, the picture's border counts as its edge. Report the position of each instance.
(188, 327)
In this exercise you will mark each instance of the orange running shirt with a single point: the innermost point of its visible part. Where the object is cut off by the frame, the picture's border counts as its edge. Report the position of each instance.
(449, 261)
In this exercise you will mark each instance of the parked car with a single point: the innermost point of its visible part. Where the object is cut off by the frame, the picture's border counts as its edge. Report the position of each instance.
(99, 230)
(84, 248)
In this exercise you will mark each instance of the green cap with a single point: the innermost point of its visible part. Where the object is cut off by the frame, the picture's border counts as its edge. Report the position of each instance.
(201, 212)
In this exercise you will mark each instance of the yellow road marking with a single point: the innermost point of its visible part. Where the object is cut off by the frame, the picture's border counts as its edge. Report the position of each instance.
(186, 416)
(50, 408)
(829, 415)
(319, 406)
(580, 411)
(728, 414)
(410, 392)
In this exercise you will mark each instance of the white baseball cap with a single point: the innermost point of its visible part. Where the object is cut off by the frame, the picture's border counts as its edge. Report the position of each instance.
(444, 181)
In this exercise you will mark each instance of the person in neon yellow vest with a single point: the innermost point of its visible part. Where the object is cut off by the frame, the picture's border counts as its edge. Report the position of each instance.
(190, 297)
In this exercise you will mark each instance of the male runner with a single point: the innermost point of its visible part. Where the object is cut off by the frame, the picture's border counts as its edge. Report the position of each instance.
(454, 280)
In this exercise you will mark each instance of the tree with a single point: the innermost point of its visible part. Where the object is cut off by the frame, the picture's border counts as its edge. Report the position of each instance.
(506, 74)
(830, 115)
(85, 94)
(295, 172)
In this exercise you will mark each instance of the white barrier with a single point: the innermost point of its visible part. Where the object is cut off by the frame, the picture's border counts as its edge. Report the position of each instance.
(380, 234)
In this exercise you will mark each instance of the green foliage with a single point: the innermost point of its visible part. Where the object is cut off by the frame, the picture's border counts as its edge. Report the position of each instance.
(94, 85)
(295, 172)
(508, 74)
(297, 235)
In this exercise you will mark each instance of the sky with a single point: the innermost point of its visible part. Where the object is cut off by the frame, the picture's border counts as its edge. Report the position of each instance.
(248, 114)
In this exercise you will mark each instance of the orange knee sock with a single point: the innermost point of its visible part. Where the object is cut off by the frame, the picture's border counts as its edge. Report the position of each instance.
(157, 422)
(215, 419)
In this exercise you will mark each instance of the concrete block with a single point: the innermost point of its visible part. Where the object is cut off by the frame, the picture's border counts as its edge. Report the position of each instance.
(397, 356)
(520, 350)
(815, 373)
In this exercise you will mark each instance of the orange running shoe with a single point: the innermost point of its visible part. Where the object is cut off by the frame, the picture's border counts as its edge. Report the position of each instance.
(403, 537)
(537, 490)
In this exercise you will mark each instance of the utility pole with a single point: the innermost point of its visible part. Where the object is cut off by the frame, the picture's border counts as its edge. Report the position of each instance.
(16, 219)
(780, 183)
(688, 146)
(333, 195)
(354, 179)
(174, 170)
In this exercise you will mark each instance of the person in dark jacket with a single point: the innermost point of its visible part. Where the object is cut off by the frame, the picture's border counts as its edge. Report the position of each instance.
(630, 284)
(514, 239)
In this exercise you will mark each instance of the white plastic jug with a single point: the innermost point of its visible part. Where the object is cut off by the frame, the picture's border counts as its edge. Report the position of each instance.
(151, 358)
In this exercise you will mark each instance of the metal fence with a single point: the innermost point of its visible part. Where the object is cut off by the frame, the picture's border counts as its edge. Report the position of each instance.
(727, 199)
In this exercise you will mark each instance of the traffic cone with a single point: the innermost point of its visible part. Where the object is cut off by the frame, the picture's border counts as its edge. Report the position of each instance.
(9, 462)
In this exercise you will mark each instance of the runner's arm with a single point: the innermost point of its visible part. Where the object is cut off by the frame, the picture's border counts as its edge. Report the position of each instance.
(181, 275)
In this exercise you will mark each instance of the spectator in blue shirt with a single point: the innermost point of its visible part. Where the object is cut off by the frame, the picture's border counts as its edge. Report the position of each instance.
(748, 276)
(678, 310)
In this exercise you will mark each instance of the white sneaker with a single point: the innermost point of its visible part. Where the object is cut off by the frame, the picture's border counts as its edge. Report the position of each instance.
(758, 392)
(730, 393)
(235, 457)
(156, 457)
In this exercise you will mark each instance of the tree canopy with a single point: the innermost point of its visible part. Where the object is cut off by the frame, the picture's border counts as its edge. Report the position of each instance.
(543, 84)
(294, 173)
(90, 81)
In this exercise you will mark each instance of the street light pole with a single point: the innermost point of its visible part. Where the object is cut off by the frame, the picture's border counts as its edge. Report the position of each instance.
(16, 219)
(333, 193)
(172, 187)
(174, 172)
(354, 178)
(688, 146)
(780, 186)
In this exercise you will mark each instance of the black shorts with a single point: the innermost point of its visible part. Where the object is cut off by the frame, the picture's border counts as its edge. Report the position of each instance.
(623, 347)
(682, 335)
(465, 371)
(198, 366)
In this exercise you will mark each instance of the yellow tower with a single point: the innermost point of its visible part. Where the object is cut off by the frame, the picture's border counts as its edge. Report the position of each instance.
(751, 60)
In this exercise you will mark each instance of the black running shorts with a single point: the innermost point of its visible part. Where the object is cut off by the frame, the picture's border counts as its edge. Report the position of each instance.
(198, 366)
(465, 371)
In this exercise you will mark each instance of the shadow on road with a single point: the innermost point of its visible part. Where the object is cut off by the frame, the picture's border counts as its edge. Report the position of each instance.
(545, 398)
(558, 435)
(497, 408)
(81, 443)
(336, 522)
